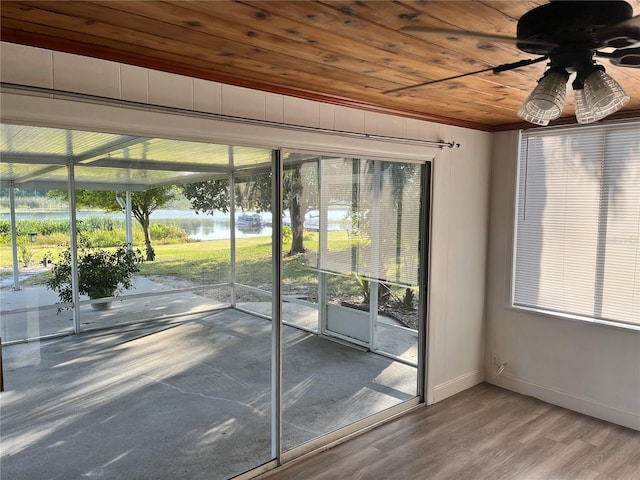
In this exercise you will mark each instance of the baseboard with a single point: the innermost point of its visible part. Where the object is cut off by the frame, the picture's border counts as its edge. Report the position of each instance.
(570, 401)
(457, 385)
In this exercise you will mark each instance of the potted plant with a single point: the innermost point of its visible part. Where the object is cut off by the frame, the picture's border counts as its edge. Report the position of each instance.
(101, 273)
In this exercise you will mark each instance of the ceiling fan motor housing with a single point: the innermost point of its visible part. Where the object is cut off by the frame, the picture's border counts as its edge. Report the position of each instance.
(570, 25)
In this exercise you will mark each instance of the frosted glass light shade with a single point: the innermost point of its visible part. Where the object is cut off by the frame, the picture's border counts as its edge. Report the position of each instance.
(546, 100)
(584, 113)
(603, 95)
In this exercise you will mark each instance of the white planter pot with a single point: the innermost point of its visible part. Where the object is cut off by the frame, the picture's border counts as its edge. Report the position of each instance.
(101, 306)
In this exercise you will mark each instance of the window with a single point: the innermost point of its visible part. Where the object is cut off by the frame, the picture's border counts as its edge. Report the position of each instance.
(382, 218)
(577, 245)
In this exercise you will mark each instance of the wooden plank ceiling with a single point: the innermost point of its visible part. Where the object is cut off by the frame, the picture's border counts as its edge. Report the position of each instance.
(341, 52)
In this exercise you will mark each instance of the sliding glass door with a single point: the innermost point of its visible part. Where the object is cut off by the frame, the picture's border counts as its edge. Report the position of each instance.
(278, 303)
(351, 275)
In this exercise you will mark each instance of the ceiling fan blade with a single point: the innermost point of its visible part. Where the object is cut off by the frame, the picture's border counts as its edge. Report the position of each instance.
(454, 34)
(500, 68)
(624, 57)
(620, 35)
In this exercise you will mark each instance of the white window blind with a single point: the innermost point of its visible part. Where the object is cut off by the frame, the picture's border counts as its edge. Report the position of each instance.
(577, 246)
(383, 221)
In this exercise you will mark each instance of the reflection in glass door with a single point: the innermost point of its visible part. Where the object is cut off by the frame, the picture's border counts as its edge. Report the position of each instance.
(361, 230)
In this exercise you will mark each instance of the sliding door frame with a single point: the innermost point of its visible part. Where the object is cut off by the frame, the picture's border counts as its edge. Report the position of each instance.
(61, 113)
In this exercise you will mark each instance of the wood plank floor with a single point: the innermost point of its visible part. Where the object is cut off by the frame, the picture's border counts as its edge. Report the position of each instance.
(483, 433)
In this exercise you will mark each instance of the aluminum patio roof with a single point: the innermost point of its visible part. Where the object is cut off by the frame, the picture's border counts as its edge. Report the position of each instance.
(36, 157)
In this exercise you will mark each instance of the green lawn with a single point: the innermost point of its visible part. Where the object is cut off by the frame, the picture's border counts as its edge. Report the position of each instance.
(208, 262)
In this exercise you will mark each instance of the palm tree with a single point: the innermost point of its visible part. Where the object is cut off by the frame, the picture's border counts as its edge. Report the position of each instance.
(401, 175)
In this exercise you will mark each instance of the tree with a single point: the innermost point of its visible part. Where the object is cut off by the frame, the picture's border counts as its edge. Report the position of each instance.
(209, 196)
(253, 192)
(402, 174)
(143, 204)
(299, 198)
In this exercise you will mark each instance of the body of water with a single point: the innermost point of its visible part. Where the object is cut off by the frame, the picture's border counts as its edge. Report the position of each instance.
(197, 226)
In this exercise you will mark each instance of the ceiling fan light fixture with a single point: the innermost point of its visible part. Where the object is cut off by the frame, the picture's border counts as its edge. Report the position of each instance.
(584, 113)
(546, 101)
(533, 117)
(603, 94)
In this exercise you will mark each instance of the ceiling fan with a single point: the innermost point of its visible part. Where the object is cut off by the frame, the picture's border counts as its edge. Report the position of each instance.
(570, 35)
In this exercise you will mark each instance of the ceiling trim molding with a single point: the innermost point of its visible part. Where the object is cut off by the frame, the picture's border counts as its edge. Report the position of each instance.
(104, 53)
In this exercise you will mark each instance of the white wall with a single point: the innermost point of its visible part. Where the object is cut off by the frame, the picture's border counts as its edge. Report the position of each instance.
(458, 256)
(589, 368)
(460, 176)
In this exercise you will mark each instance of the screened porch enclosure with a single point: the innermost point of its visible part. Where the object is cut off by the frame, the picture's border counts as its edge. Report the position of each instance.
(331, 246)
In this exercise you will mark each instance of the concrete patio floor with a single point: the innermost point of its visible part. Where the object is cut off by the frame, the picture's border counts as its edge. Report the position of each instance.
(23, 317)
(179, 398)
(164, 303)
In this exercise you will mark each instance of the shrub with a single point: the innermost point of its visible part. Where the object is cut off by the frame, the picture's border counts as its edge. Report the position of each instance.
(384, 290)
(163, 233)
(93, 224)
(25, 254)
(287, 234)
(101, 273)
(106, 238)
